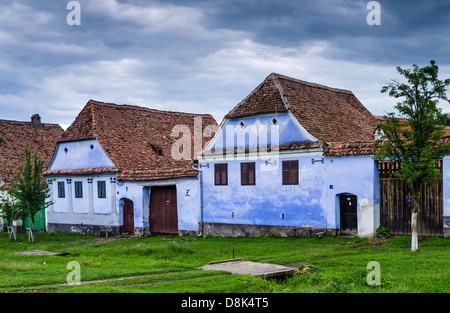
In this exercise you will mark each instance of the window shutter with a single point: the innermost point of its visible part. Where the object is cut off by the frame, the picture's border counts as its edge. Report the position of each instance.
(248, 173)
(101, 189)
(61, 191)
(221, 174)
(290, 172)
(78, 189)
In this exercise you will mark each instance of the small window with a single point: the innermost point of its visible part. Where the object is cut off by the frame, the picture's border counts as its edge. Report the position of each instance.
(61, 190)
(78, 189)
(220, 174)
(241, 124)
(290, 172)
(101, 189)
(248, 173)
(274, 121)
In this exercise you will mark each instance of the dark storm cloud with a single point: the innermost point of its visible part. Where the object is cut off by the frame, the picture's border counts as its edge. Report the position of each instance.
(205, 55)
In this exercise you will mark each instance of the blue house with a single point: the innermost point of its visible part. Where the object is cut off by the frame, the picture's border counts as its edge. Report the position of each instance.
(127, 169)
(293, 158)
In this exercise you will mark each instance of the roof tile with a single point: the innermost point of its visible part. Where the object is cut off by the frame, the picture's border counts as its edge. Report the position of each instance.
(137, 139)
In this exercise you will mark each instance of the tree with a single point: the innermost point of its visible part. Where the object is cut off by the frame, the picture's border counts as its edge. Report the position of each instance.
(2, 141)
(29, 188)
(416, 143)
(11, 211)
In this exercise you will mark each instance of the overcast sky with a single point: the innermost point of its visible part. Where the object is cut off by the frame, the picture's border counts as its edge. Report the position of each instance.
(205, 56)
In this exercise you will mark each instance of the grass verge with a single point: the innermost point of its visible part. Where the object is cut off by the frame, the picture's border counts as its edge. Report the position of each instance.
(171, 264)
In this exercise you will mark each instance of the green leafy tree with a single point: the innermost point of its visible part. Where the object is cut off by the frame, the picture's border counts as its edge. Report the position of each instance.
(11, 211)
(2, 141)
(29, 188)
(416, 143)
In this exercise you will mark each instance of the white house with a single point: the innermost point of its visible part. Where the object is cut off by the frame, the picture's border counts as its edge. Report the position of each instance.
(127, 169)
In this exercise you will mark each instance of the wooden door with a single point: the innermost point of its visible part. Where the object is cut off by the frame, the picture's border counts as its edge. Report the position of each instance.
(128, 216)
(163, 210)
(348, 215)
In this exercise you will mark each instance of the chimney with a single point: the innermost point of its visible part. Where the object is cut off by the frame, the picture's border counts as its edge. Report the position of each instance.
(36, 120)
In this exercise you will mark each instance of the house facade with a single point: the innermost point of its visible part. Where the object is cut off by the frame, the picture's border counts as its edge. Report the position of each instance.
(38, 137)
(126, 169)
(293, 158)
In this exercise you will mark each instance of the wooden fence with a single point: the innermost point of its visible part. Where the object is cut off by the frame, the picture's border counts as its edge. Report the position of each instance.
(395, 206)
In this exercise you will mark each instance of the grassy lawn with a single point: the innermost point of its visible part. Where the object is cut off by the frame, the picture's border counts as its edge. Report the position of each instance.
(171, 264)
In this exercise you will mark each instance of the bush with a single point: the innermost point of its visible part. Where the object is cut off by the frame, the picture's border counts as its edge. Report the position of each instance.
(383, 232)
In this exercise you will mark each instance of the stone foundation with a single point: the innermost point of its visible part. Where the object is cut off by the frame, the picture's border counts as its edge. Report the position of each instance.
(245, 230)
(83, 229)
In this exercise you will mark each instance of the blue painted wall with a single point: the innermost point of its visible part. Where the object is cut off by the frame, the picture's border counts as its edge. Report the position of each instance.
(313, 202)
(260, 131)
(79, 154)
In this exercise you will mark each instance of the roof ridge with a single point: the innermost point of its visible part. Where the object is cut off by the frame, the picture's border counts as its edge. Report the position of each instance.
(92, 107)
(250, 94)
(143, 108)
(25, 122)
(280, 89)
(310, 83)
(269, 77)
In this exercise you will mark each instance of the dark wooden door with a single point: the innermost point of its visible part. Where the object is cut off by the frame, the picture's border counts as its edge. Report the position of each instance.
(128, 216)
(163, 210)
(348, 207)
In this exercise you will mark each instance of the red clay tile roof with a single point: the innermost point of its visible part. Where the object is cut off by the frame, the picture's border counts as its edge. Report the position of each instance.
(350, 149)
(366, 148)
(329, 114)
(19, 135)
(137, 139)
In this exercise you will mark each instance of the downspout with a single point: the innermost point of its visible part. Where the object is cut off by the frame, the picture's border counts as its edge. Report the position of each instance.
(201, 197)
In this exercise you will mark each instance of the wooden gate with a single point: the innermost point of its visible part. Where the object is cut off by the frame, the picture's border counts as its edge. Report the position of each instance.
(395, 205)
(163, 210)
(128, 216)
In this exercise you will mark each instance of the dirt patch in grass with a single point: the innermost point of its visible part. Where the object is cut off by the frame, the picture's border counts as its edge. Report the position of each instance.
(40, 252)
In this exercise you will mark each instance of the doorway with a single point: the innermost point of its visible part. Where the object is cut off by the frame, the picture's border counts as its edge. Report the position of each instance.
(348, 214)
(128, 216)
(163, 210)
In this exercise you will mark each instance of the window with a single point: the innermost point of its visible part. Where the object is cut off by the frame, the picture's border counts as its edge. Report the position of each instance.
(248, 173)
(290, 172)
(61, 190)
(101, 189)
(220, 174)
(78, 189)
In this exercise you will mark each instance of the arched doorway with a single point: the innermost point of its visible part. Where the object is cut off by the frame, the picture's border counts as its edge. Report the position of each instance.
(128, 216)
(348, 220)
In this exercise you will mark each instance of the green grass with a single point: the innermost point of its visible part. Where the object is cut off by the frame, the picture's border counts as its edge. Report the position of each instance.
(171, 264)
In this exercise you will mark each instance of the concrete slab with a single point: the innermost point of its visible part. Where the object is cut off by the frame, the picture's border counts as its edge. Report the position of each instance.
(239, 266)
